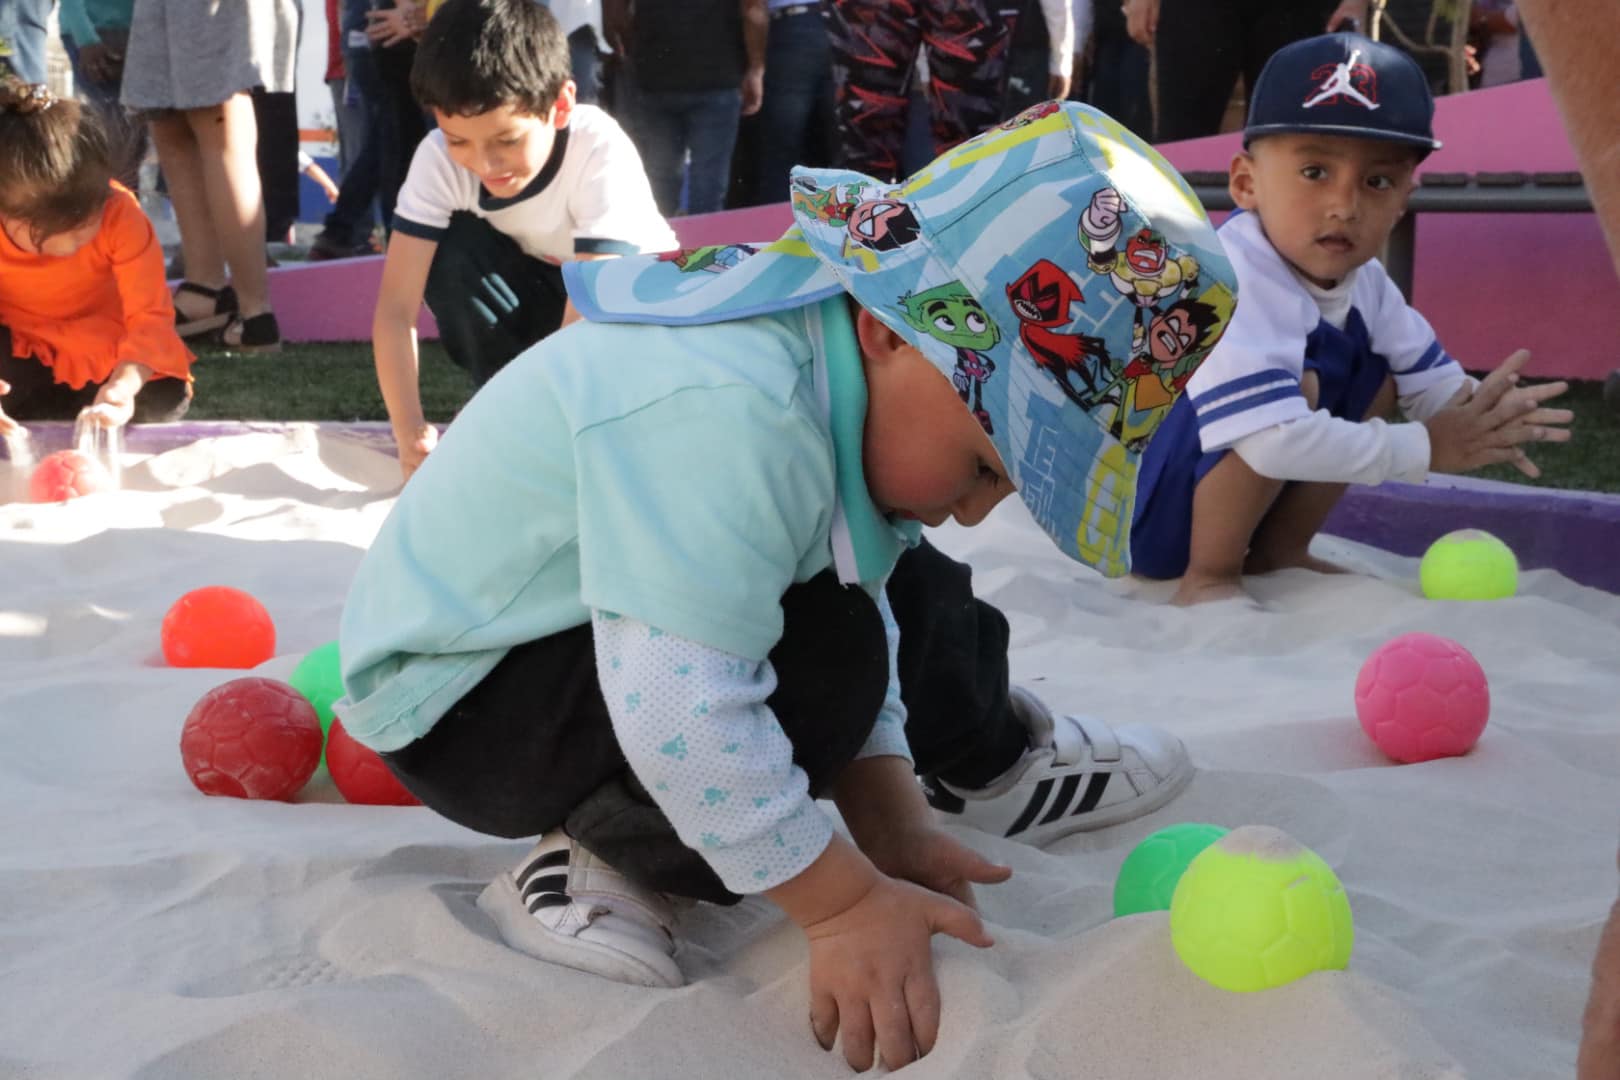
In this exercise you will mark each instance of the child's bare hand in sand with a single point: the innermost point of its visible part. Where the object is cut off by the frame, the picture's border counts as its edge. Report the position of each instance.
(872, 981)
(872, 972)
(1489, 425)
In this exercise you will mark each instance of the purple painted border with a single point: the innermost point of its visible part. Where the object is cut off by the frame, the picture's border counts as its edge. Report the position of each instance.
(1575, 533)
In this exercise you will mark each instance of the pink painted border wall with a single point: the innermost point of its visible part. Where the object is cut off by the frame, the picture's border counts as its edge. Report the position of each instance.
(1490, 283)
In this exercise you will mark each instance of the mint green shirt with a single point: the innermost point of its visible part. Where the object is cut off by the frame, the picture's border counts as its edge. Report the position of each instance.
(683, 476)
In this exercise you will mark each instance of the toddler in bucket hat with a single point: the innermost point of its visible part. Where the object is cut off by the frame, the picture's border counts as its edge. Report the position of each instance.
(1056, 268)
(647, 598)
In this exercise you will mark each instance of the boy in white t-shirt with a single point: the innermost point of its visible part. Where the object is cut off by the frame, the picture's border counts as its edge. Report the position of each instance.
(517, 180)
(1323, 344)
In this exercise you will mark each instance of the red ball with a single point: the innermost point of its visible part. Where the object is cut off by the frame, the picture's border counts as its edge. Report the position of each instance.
(252, 739)
(65, 475)
(219, 627)
(1421, 697)
(360, 773)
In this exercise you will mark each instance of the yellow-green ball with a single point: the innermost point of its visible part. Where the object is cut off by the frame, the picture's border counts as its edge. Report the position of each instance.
(1257, 909)
(1469, 564)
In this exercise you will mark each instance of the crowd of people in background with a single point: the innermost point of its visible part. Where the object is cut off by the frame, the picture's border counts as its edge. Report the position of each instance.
(722, 97)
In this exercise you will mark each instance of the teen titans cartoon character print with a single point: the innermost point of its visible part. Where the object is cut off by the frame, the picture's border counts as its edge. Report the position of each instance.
(1042, 299)
(948, 313)
(1142, 270)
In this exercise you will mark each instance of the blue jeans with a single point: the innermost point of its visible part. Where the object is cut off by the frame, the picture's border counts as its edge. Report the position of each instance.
(22, 32)
(796, 117)
(670, 123)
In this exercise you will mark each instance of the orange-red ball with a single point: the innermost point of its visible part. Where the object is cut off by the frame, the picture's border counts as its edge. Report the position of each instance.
(251, 738)
(218, 627)
(64, 475)
(360, 774)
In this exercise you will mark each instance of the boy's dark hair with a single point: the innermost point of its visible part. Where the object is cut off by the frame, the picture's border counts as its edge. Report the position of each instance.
(477, 55)
(55, 162)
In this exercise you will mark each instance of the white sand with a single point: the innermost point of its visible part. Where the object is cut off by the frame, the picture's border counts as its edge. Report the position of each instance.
(146, 930)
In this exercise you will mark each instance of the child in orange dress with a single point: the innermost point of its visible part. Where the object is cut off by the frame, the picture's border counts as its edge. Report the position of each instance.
(86, 322)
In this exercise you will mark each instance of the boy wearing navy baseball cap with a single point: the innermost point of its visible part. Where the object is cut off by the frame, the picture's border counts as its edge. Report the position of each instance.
(1289, 406)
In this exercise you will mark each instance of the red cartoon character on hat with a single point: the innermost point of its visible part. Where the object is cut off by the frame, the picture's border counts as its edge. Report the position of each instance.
(1041, 299)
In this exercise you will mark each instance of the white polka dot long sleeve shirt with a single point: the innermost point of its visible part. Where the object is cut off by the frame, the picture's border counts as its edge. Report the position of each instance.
(695, 727)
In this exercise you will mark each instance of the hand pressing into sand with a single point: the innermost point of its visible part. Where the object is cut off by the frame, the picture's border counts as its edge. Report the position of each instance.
(872, 983)
(1489, 425)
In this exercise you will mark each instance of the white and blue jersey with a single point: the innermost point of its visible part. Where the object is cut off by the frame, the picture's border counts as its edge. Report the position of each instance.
(1246, 396)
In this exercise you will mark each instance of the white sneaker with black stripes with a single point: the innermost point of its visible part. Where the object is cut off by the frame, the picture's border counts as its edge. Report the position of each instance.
(1078, 774)
(564, 905)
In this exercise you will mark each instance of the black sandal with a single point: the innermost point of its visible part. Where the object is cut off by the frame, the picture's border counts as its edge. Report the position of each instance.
(254, 334)
(225, 308)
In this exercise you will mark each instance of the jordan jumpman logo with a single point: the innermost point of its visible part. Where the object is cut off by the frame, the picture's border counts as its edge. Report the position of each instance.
(1340, 83)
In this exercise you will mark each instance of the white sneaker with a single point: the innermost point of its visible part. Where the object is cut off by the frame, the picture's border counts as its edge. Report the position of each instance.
(564, 905)
(1079, 774)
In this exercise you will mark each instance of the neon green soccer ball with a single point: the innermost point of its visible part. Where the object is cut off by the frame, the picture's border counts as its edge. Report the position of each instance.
(1257, 909)
(1469, 564)
(318, 678)
(1147, 879)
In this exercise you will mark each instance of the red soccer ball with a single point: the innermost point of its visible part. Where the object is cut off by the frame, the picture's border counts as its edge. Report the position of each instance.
(252, 739)
(65, 475)
(219, 627)
(360, 774)
(1421, 696)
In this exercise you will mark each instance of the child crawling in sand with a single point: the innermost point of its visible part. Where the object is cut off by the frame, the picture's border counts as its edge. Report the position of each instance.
(1289, 407)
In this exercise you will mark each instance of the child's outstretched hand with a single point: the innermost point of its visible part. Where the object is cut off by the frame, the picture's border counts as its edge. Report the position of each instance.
(872, 983)
(1490, 425)
(872, 976)
(930, 857)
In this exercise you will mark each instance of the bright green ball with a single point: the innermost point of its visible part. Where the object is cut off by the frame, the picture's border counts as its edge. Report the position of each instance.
(317, 677)
(1256, 909)
(1147, 879)
(1469, 564)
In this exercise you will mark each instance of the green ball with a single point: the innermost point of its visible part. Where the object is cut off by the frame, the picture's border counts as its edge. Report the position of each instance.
(1147, 879)
(1256, 909)
(319, 679)
(1469, 564)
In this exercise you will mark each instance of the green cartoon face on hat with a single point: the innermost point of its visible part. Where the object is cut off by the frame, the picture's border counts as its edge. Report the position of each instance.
(950, 314)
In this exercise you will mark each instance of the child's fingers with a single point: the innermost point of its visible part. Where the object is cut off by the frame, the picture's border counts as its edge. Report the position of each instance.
(856, 1033)
(824, 1019)
(1498, 382)
(922, 1000)
(1522, 462)
(891, 1021)
(946, 916)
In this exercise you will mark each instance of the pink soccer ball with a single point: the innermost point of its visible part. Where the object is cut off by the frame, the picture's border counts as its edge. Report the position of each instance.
(1421, 697)
(66, 474)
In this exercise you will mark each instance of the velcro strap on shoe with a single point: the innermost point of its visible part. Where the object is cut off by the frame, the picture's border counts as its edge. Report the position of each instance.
(592, 881)
(1104, 743)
